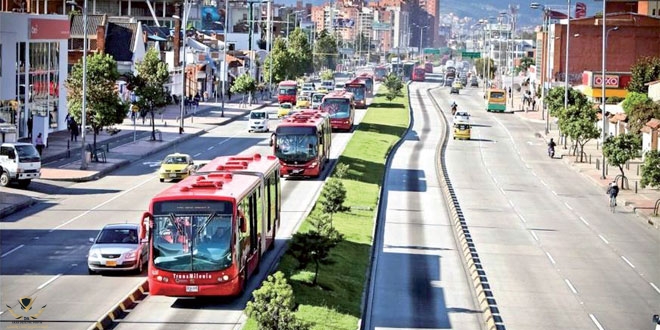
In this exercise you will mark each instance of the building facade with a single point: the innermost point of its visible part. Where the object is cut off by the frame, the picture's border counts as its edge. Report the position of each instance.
(33, 57)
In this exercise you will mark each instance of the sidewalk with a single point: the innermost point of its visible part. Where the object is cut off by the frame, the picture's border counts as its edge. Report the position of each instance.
(61, 159)
(632, 198)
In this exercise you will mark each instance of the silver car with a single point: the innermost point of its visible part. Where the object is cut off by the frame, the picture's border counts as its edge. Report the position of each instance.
(118, 247)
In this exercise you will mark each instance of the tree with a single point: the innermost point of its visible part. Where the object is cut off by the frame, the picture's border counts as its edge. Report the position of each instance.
(244, 84)
(555, 99)
(273, 304)
(633, 100)
(645, 69)
(104, 107)
(148, 85)
(333, 196)
(651, 170)
(394, 86)
(578, 123)
(315, 245)
(326, 75)
(641, 115)
(481, 70)
(278, 62)
(300, 53)
(620, 149)
(526, 62)
(325, 51)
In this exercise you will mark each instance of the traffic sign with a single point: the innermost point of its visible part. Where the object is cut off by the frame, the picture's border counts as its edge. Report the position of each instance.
(471, 54)
(432, 51)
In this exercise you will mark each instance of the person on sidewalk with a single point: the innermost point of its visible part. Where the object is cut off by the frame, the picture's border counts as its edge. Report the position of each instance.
(39, 143)
(74, 129)
(30, 122)
(551, 148)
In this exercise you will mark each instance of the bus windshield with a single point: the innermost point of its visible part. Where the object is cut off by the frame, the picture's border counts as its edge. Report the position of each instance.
(358, 91)
(296, 143)
(192, 235)
(337, 108)
(288, 91)
(496, 95)
(380, 72)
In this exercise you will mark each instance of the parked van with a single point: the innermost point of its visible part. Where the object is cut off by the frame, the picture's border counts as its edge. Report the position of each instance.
(258, 121)
(20, 163)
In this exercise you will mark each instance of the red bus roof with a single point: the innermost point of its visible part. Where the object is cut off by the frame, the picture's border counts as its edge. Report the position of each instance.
(309, 118)
(355, 81)
(221, 177)
(288, 83)
(365, 74)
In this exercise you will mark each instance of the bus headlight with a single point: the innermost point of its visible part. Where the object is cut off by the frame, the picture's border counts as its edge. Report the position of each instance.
(223, 278)
(163, 279)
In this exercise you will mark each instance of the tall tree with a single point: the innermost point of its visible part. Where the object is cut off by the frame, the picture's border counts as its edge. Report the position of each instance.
(651, 170)
(104, 107)
(149, 85)
(618, 150)
(481, 69)
(578, 123)
(280, 62)
(642, 114)
(555, 100)
(244, 84)
(645, 70)
(300, 52)
(325, 51)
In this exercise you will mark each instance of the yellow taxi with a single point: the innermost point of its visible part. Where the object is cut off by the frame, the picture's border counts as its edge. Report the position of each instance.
(322, 89)
(176, 166)
(284, 109)
(462, 131)
(303, 102)
(457, 84)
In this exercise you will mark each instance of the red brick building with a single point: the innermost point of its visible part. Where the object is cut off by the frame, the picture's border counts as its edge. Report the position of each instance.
(637, 36)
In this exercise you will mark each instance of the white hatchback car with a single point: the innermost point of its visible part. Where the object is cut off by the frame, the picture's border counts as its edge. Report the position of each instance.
(461, 117)
(258, 121)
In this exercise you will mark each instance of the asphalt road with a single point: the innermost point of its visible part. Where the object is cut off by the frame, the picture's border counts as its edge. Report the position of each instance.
(420, 280)
(554, 255)
(44, 248)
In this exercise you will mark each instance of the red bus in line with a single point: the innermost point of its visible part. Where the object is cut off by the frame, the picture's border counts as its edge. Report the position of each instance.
(302, 142)
(380, 72)
(287, 91)
(368, 80)
(359, 90)
(340, 106)
(428, 67)
(418, 74)
(207, 234)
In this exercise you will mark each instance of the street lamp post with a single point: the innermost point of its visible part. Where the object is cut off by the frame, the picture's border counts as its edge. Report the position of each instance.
(186, 12)
(421, 37)
(83, 120)
(606, 33)
(225, 65)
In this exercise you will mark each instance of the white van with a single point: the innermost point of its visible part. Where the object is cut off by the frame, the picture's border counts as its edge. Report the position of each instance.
(258, 121)
(19, 162)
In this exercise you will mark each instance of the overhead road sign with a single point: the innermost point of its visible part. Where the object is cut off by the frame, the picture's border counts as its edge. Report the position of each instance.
(471, 54)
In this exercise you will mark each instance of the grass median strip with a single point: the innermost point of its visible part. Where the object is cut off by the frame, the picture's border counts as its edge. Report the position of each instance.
(334, 303)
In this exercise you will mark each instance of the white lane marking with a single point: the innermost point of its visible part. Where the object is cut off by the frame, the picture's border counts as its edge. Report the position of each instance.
(197, 154)
(550, 257)
(11, 251)
(534, 234)
(554, 192)
(655, 287)
(522, 218)
(49, 281)
(210, 148)
(544, 183)
(569, 207)
(495, 180)
(628, 262)
(534, 174)
(603, 239)
(511, 202)
(570, 285)
(101, 205)
(584, 220)
(595, 321)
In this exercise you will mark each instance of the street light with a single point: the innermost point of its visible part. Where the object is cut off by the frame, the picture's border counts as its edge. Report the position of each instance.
(421, 37)
(546, 31)
(606, 33)
(294, 23)
(83, 121)
(568, 39)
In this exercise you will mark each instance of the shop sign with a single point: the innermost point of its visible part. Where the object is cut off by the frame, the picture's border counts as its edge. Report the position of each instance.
(611, 81)
(49, 29)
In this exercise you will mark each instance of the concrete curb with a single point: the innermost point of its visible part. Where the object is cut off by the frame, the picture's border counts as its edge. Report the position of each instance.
(122, 308)
(621, 201)
(13, 208)
(471, 261)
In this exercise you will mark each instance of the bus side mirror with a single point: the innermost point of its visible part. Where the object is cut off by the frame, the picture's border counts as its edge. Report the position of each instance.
(146, 223)
(272, 139)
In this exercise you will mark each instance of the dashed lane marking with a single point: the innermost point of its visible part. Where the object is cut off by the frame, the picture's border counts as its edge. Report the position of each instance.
(49, 281)
(11, 251)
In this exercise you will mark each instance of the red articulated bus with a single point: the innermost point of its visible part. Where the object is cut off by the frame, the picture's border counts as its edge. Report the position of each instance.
(428, 67)
(380, 73)
(302, 144)
(341, 108)
(208, 233)
(418, 74)
(359, 91)
(287, 92)
(368, 81)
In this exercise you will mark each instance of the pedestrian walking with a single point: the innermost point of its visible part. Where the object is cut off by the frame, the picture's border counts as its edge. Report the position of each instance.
(74, 130)
(29, 126)
(39, 143)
